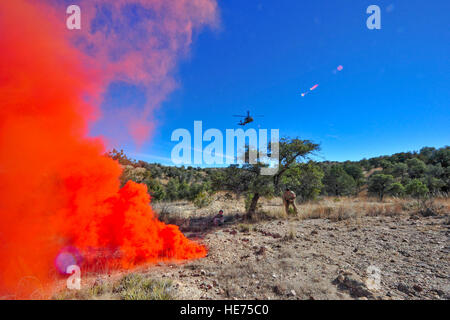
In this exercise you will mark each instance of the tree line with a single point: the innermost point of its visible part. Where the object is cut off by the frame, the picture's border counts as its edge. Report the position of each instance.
(407, 174)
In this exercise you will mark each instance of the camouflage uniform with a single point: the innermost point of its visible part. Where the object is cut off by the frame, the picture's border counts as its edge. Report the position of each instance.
(219, 219)
(288, 200)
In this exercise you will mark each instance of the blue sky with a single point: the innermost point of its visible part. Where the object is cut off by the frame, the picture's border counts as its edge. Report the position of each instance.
(392, 95)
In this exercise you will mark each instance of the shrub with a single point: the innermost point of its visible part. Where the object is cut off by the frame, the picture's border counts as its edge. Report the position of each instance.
(416, 189)
(397, 189)
(202, 200)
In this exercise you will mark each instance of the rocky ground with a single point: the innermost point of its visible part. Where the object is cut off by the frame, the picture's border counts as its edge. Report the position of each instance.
(319, 259)
(333, 249)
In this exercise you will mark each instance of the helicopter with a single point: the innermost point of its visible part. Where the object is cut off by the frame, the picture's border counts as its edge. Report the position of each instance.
(247, 119)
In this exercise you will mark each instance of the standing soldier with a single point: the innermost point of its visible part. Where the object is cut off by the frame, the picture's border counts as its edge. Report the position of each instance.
(288, 200)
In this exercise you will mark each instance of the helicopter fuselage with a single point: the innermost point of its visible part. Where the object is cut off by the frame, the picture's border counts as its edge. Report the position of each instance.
(246, 121)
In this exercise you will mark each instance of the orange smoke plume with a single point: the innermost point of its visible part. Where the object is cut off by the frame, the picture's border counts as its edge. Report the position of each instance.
(57, 190)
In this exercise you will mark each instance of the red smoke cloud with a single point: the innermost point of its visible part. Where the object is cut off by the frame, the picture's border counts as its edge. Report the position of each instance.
(56, 187)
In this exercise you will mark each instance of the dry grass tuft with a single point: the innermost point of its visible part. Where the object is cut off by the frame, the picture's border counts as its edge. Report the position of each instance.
(291, 233)
(351, 208)
(335, 209)
(130, 287)
(243, 227)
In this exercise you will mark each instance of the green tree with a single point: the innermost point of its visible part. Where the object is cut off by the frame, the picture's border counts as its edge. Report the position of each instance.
(198, 188)
(231, 179)
(397, 189)
(436, 171)
(386, 165)
(356, 172)
(305, 180)
(433, 184)
(380, 184)
(426, 154)
(441, 156)
(337, 182)
(172, 190)
(416, 168)
(245, 179)
(400, 170)
(249, 178)
(365, 164)
(416, 189)
(156, 190)
(183, 190)
(292, 151)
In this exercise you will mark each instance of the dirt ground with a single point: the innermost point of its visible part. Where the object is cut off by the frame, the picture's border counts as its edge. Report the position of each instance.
(335, 249)
(392, 256)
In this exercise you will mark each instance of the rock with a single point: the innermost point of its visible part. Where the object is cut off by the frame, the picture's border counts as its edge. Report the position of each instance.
(417, 288)
(279, 290)
(276, 235)
(293, 293)
(261, 251)
(438, 292)
(404, 253)
(350, 282)
(203, 272)
(404, 288)
(427, 213)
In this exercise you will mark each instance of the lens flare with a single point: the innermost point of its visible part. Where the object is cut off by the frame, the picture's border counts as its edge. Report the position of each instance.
(335, 71)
